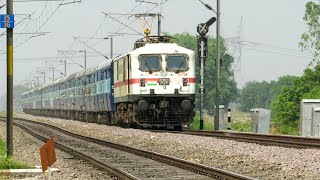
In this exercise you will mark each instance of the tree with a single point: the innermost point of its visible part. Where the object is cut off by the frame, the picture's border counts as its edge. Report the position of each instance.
(255, 95)
(262, 94)
(311, 40)
(228, 86)
(277, 86)
(287, 104)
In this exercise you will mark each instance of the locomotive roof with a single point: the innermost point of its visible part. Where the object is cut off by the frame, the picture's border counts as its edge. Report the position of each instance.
(161, 48)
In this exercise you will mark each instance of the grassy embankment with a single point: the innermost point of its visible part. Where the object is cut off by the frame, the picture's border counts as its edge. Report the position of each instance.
(3, 114)
(9, 163)
(288, 129)
(240, 122)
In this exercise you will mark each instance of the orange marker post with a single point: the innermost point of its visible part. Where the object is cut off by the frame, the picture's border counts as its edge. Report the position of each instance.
(48, 155)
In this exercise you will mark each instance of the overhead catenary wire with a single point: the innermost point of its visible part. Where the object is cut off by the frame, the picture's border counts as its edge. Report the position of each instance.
(91, 47)
(38, 29)
(48, 58)
(279, 53)
(122, 23)
(160, 4)
(99, 28)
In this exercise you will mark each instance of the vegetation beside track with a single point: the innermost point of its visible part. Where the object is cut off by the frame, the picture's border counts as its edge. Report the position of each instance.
(3, 114)
(8, 162)
(240, 122)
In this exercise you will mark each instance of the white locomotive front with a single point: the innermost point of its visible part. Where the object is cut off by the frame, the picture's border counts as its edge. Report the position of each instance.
(154, 85)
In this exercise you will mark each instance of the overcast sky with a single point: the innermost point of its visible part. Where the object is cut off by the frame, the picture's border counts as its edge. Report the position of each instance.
(271, 31)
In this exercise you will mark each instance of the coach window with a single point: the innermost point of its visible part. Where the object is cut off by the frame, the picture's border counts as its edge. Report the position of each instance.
(177, 63)
(120, 69)
(150, 63)
(117, 70)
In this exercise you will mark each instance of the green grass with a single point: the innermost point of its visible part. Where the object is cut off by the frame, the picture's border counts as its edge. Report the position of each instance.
(207, 125)
(3, 149)
(243, 126)
(241, 121)
(3, 114)
(9, 163)
(282, 128)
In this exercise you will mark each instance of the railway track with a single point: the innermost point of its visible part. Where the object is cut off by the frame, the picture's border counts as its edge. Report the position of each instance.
(121, 161)
(275, 140)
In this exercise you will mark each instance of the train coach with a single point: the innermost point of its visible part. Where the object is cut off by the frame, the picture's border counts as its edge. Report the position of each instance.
(151, 86)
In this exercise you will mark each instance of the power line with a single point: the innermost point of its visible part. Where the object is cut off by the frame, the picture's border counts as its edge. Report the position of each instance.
(47, 58)
(91, 47)
(279, 53)
(120, 29)
(268, 45)
(298, 53)
(61, 1)
(22, 1)
(123, 23)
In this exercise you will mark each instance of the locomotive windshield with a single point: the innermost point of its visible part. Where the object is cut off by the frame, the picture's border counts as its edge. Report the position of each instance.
(150, 63)
(177, 63)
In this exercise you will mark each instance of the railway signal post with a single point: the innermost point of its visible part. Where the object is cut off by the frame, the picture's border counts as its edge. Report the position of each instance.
(203, 29)
(203, 44)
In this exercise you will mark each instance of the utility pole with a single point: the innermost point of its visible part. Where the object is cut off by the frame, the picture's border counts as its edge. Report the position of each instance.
(111, 43)
(53, 74)
(9, 83)
(111, 47)
(37, 77)
(65, 67)
(85, 59)
(159, 24)
(44, 77)
(216, 114)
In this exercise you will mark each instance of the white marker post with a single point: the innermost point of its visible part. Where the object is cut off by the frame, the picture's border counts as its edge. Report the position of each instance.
(229, 118)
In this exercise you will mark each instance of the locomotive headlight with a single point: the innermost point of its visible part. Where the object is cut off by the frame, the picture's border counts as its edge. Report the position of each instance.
(186, 105)
(143, 105)
(164, 81)
(142, 82)
(185, 81)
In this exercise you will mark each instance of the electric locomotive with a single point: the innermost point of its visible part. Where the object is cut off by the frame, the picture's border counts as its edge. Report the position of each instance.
(151, 86)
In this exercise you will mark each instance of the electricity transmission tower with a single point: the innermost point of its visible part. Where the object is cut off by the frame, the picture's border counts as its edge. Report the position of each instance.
(235, 44)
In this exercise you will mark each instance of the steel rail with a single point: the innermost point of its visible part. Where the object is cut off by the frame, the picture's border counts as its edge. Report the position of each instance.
(114, 172)
(183, 164)
(265, 139)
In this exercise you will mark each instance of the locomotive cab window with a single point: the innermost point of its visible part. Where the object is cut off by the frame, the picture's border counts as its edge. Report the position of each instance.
(150, 63)
(177, 63)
